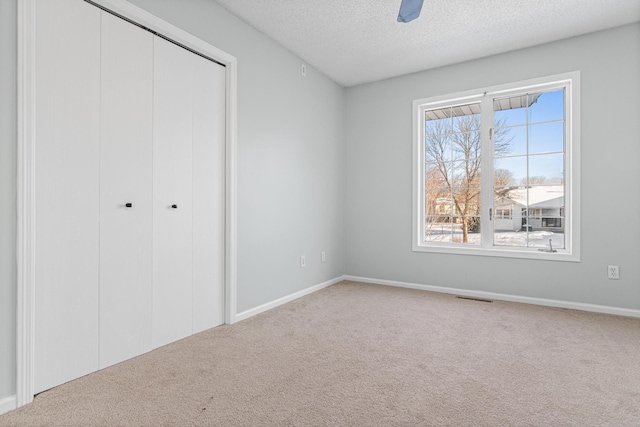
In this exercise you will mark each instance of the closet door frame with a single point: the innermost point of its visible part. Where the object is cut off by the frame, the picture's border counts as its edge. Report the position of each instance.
(26, 206)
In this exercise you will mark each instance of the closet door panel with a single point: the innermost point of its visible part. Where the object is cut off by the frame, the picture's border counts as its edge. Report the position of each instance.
(67, 188)
(172, 193)
(208, 194)
(125, 177)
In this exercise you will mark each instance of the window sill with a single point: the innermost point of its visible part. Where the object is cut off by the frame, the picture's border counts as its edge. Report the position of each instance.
(533, 253)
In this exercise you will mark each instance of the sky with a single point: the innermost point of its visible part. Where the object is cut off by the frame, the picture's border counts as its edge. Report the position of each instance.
(540, 130)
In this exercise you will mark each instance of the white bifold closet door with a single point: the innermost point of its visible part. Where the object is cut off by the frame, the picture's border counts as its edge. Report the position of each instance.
(188, 193)
(67, 128)
(130, 191)
(126, 184)
(209, 192)
(172, 193)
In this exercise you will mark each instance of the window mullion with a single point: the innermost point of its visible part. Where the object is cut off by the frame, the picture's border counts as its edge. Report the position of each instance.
(486, 224)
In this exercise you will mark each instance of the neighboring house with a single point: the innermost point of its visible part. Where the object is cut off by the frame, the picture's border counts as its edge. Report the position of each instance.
(443, 210)
(545, 207)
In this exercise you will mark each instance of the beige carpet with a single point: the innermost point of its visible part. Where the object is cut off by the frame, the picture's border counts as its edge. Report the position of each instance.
(365, 355)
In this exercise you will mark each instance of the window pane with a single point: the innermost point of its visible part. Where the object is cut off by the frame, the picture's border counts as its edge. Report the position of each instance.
(452, 173)
(510, 238)
(437, 193)
(546, 169)
(533, 239)
(514, 167)
(437, 229)
(438, 202)
(509, 228)
(466, 230)
(537, 200)
(466, 201)
(474, 227)
(438, 126)
(509, 111)
(437, 147)
(547, 107)
(503, 178)
(437, 176)
(466, 145)
(537, 215)
(528, 184)
(546, 138)
(465, 123)
(508, 208)
(540, 239)
(466, 174)
(453, 216)
(546, 206)
(510, 141)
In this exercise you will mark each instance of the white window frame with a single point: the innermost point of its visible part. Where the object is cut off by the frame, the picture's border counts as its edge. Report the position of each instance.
(571, 83)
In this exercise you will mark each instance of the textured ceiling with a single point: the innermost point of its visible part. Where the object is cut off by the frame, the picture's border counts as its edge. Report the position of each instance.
(359, 41)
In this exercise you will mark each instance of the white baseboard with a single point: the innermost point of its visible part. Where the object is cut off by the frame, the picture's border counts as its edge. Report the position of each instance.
(268, 306)
(502, 297)
(441, 289)
(7, 404)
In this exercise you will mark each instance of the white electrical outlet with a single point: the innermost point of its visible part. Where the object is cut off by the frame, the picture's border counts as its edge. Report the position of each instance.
(323, 256)
(613, 272)
(303, 70)
(303, 262)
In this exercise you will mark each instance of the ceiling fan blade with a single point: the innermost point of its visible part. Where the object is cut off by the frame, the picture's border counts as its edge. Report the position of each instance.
(409, 10)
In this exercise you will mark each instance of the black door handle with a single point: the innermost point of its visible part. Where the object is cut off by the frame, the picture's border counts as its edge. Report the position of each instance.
(129, 205)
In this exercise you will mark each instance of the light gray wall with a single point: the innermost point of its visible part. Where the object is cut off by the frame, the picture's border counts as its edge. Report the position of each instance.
(379, 175)
(290, 156)
(290, 164)
(7, 196)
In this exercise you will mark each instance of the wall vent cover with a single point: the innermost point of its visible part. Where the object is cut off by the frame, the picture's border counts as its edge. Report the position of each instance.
(474, 299)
